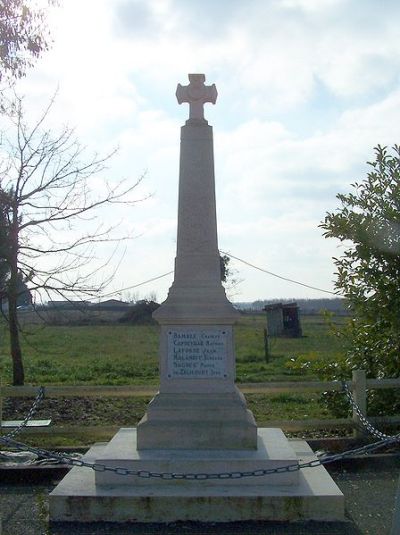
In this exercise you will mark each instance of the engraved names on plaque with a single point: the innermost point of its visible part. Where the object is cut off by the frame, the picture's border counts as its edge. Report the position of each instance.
(197, 354)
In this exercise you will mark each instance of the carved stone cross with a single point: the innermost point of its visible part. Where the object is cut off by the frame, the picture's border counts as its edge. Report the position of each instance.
(196, 94)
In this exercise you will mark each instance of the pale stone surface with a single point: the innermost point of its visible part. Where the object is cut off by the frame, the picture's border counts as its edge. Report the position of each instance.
(316, 497)
(196, 295)
(273, 451)
(30, 423)
(199, 422)
(196, 94)
(191, 384)
(190, 411)
(197, 353)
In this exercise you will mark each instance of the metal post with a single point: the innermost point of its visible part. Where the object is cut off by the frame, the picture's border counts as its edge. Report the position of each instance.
(266, 345)
(359, 389)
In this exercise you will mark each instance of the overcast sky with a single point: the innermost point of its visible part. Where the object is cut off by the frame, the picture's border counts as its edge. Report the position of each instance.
(306, 89)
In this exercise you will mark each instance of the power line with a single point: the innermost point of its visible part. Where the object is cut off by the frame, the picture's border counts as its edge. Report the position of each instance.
(278, 276)
(137, 285)
(239, 260)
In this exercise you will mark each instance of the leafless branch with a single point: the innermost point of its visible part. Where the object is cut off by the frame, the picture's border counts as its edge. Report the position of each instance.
(47, 177)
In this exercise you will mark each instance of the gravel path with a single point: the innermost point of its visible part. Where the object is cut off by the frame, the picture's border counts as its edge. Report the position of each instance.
(369, 486)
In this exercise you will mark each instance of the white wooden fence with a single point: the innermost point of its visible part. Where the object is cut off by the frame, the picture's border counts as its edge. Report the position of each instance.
(359, 386)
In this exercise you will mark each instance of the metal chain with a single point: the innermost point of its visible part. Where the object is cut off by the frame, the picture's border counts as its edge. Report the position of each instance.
(99, 467)
(363, 420)
(31, 412)
(69, 460)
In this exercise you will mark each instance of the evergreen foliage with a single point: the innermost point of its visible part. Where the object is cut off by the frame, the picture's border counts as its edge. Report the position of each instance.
(368, 275)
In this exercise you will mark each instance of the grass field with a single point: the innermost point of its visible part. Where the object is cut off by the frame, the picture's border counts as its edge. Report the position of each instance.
(122, 354)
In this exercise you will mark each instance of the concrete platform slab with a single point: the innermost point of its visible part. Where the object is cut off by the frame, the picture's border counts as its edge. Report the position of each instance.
(273, 451)
(78, 499)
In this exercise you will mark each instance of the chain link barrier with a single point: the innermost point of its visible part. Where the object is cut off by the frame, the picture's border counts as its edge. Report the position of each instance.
(28, 417)
(363, 420)
(69, 460)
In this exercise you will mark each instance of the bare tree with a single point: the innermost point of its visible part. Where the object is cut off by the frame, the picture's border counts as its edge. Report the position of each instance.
(46, 198)
(4, 210)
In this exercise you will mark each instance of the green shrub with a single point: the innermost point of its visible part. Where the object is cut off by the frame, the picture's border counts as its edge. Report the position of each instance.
(301, 365)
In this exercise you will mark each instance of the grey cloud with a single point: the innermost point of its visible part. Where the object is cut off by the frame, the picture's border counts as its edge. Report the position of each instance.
(200, 18)
(208, 17)
(133, 17)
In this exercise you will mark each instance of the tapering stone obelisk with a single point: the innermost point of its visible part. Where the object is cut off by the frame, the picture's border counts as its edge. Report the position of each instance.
(198, 405)
(197, 295)
(195, 455)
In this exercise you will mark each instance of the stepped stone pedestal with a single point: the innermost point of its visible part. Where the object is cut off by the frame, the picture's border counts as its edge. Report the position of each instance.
(198, 423)
(87, 496)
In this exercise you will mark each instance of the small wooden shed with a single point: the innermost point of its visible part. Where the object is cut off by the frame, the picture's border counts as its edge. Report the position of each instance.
(283, 319)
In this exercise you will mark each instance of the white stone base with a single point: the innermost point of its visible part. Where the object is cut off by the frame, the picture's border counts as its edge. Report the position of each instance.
(193, 421)
(312, 496)
(273, 450)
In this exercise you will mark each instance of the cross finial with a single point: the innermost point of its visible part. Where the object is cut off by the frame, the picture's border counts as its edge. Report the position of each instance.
(196, 94)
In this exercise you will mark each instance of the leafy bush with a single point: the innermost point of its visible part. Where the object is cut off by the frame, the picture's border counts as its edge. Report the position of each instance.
(301, 365)
(367, 222)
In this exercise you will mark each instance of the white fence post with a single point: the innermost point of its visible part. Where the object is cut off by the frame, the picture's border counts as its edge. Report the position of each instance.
(359, 388)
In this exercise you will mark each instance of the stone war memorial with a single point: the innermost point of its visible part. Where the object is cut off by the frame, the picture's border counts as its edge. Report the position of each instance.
(197, 453)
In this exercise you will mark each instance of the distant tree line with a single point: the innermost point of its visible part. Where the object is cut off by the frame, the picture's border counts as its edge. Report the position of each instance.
(337, 305)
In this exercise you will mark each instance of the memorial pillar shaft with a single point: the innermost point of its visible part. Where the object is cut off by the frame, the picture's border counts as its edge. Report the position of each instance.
(198, 405)
(197, 258)
(197, 294)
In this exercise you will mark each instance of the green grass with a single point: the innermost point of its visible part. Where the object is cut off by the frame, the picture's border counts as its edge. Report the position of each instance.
(109, 354)
(121, 354)
(286, 407)
(317, 342)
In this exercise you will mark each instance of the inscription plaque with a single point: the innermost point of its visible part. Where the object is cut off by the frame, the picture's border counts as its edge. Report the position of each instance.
(197, 354)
